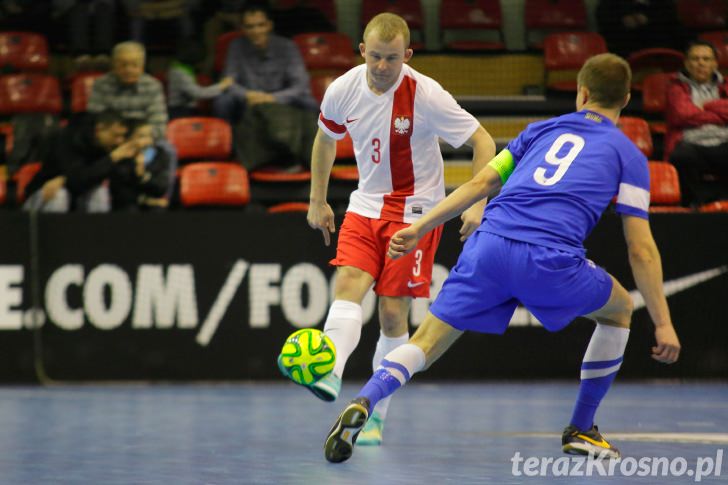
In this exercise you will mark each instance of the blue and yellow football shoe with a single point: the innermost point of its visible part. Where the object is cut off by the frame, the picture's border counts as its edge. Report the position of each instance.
(577, 442)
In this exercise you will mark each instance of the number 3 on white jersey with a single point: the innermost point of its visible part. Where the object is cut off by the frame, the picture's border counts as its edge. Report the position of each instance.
(577, 143)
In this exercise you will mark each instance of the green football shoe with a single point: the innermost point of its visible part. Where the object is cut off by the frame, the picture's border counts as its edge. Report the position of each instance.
(328, 388)
(371, 434)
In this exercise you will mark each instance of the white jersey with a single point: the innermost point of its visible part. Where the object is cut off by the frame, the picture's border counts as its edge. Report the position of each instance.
(395, 137)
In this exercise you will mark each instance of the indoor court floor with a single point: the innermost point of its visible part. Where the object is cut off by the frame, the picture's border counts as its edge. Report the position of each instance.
(273, 433)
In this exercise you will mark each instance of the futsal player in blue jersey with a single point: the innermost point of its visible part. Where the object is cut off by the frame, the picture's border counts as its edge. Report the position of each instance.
(556, 179)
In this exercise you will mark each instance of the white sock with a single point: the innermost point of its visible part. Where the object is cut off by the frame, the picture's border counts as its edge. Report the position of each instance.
(409, 356)
(343, 327)
(384, 346)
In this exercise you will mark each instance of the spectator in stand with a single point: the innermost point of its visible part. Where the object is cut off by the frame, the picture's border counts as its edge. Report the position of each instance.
(630, 25)
(127, 89)
(135, 94)
(697, 126)
(141, 182)
(184, 91)
(271, 99)
(78, 160)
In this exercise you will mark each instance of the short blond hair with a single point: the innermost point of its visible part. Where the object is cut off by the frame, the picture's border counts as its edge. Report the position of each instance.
(388, 26)
(129, 45)
(607, 77)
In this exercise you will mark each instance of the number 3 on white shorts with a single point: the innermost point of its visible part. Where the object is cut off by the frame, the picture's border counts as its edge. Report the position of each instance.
(577, 143)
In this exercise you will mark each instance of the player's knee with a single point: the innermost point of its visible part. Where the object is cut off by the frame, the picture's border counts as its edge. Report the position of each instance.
(623, 312)
(351, 284)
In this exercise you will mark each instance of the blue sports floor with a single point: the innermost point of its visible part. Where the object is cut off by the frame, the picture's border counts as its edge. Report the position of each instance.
(272, 433)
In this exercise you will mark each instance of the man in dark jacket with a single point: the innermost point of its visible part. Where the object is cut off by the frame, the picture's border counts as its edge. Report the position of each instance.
(78, 160)
(270, 104)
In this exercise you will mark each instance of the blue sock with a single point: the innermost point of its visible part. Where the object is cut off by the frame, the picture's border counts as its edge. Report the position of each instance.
(591, 393)
(602, 360)
(389, 377)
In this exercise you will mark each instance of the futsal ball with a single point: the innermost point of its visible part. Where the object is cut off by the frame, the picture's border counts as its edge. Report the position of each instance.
(307, 356)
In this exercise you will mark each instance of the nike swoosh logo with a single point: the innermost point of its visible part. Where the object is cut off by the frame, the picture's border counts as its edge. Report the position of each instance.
(680, 284)
(350, 120)
(414, 285)
(601, 442)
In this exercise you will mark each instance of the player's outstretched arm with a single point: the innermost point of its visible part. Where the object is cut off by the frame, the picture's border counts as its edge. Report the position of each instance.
(477, 188)
(320, 215)
(483, 151)
(644, 259)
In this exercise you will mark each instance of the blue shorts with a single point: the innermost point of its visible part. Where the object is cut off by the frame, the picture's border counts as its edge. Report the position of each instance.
(494, 274)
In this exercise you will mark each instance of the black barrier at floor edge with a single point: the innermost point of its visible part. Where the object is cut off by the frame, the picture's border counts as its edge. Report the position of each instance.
(37, 307)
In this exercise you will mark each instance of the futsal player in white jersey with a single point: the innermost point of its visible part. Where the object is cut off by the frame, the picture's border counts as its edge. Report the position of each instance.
(395, 116)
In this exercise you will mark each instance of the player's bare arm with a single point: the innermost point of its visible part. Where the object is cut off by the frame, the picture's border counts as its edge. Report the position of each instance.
(483, 151)
(320, 215)
(484, 182)
(644, 259)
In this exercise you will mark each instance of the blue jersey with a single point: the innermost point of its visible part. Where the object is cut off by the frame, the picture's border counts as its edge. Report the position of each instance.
(567, 171)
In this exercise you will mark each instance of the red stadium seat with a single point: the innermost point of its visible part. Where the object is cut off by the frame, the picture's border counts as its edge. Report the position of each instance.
(214, 183)
(200, 138)
(279, 175)
(654, 92)
(319, 83)
(221, 47)
(638, 131)
(664, 184)
(568, 51)
(325, 50)
(719, 40)
(81, 90)
(648, 61)
(345, 172)
(547, 16)
(702, 14)
(29, 93)
(717, 206)
(23, 51)
(288, 207)
(470, 17)
(23, 177)
(410, 10)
